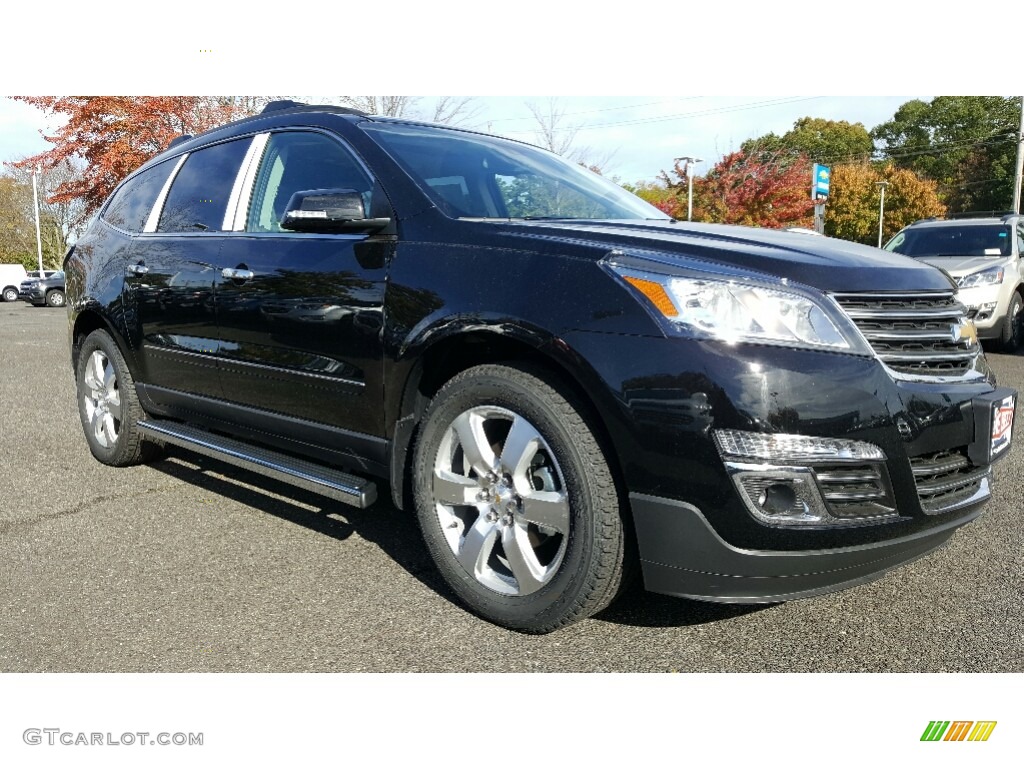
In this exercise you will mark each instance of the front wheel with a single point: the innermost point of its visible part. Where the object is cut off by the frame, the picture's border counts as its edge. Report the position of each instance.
(516, 501)
(1013, 328)
(10, 294)
(55, 298)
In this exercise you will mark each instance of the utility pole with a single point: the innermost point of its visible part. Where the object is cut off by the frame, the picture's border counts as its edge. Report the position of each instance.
(39, 238)
(1020, 161)
(689, 178)
(881, 209)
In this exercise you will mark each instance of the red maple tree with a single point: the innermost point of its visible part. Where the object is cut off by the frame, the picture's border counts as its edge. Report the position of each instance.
(114, 135)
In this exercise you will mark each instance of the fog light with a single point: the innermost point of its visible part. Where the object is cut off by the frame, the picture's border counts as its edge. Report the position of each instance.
(778, 499)
(779, 495)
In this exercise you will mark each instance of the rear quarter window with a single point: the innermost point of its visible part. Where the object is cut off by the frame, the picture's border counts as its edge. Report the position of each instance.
(130, 206)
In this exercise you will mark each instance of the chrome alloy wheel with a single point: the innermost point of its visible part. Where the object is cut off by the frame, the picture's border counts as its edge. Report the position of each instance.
(501, 501)
(102, 399)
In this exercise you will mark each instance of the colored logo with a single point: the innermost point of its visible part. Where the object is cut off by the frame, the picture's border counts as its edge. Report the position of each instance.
(958, 730)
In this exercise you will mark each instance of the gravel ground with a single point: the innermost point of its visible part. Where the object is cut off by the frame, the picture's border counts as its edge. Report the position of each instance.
(190, 565)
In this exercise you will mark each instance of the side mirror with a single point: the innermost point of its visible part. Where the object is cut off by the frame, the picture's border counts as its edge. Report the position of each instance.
(329, 210)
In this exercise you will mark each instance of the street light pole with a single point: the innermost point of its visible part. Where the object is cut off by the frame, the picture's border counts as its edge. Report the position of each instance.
(1020, 161)
(689, 178)
(39, 239)
(881, 209)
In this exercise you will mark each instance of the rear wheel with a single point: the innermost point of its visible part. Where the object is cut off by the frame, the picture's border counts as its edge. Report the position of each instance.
(107, 404)
(10, 294)
(516, 500)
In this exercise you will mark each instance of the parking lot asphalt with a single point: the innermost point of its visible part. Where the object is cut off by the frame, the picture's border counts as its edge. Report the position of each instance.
(191, 565)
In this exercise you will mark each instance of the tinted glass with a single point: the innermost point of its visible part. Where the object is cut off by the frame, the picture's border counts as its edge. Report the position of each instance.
(131, 204)
(475, 176)
(966, 240)
(296, 162)
(200, 192)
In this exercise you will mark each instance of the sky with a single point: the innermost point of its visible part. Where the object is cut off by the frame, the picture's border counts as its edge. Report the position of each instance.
(634, 138)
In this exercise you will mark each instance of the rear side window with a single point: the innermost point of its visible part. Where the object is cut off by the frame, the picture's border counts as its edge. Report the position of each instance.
(199, 195)
(131, 204)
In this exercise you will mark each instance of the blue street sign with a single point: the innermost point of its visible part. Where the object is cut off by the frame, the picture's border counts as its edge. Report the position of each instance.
(820, 181)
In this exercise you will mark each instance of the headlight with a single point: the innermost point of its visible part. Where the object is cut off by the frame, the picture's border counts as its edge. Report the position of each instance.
(734, 310)
(993, 276)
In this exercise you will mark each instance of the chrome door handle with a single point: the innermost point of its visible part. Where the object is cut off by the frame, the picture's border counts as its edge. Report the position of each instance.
(138, 269)
(238, 274)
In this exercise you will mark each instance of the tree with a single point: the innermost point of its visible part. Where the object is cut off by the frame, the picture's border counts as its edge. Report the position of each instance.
(114, 135)
(454, 110)
(965, 143)
(823, 141)
(18, 228)
(754, 190)
(853, 203)
(556, 134)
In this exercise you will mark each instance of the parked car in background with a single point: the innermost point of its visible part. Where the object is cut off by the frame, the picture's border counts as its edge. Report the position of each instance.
(982, 253)
(48, 291)
(11, 276)
(563, 383)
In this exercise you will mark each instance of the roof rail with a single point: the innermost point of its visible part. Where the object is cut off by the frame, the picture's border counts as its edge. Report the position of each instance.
(930, 218)
(981, 215)
(282, 104)
(178, 140)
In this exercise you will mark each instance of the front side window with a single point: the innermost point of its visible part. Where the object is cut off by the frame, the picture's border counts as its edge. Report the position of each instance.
(131, 204)
(471, 175)
(200, 192)
(301, 161)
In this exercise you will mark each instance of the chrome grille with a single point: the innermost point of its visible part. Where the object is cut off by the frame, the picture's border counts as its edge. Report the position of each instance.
(947, 480)
(915, 333)
(855, 491)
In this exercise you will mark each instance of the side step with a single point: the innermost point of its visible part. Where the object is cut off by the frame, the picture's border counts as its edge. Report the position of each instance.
(325, 481)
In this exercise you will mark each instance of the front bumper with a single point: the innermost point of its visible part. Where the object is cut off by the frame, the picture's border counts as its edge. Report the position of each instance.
(682, 555)
(987, 307)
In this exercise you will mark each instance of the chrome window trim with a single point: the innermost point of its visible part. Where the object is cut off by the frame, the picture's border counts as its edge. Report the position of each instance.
(241, 193)
(158, 205)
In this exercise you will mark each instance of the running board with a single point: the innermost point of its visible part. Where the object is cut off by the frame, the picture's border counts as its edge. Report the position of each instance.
(325, 481)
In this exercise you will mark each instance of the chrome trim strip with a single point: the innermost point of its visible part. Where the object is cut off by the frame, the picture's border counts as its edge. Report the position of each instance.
(252, 162)
(236, 189)
(325, 481)
(983, 492)
(158, 205)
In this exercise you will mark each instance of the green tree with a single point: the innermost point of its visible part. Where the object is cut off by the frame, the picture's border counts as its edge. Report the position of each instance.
(853, 203)
(18, 227)
(823, 141)
(965, 143)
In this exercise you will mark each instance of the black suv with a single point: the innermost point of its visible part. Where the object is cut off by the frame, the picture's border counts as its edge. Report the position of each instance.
(48, 290)
(558, 379)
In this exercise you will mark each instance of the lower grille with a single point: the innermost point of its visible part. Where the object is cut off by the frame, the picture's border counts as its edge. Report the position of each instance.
(855, 492)
(915, 333)
(947, 481)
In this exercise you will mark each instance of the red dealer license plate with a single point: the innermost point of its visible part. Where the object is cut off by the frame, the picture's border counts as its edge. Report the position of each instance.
(1002, 425)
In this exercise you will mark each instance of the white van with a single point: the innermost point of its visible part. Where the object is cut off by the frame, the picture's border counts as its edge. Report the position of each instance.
(11, 276)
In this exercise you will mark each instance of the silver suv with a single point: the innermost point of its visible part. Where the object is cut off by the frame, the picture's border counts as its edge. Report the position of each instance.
(982, 253)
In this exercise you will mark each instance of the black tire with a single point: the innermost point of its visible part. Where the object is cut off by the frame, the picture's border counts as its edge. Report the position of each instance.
(10, 294)
(116, 442)
(55, 298)
(1012, 336)
(582, 568)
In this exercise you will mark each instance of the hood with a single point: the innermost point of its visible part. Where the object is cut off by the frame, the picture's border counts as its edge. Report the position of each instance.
(822, 262)
(958, 266)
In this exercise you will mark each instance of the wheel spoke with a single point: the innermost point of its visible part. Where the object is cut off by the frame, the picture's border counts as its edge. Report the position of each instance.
(108, 375)
(450, 488)
(114, 403)
(96, 423)
(477, 546)
(547, 508)
(520, 447)
(94, 373)
(470, 429)
(522, 559)
(109, 428)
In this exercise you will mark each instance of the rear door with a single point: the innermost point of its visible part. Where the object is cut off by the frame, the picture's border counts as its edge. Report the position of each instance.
(172, 273)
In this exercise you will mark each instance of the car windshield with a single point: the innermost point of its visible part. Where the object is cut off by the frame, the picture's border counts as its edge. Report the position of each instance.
(470, 175)
(953, 240)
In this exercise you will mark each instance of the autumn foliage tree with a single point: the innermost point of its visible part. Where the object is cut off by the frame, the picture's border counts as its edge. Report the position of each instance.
(114, 135)
(759, 190)
(854, 201)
